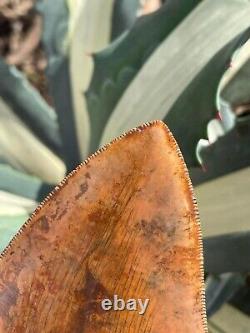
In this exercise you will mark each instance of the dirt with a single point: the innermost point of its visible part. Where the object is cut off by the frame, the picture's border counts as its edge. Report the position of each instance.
(20, 41)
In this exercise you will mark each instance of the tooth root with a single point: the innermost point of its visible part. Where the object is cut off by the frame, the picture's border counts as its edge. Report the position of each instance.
(124, 223)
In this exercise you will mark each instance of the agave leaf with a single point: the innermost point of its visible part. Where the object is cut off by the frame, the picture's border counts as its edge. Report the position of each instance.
(116, 66)
(20, 144)
(233, 90)
(55, 17)
(224, 204)
(13, 200)
(28, 104)
(73, 7)
(9, 225)
(136, 235)
(222, 253)
(230, 319)
(11, 210)
(22, 185)
(124, 16)
(237, 92)
(224, 211)
(221, 289)
(203, 108)
(14, 210)
(233, 96)
(229, 153)
(215, 130)
(9, 159)
(178, 83)
(234, 86)
(90, 32)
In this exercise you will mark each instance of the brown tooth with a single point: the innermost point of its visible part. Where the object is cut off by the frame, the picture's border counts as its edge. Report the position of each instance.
(123, 223)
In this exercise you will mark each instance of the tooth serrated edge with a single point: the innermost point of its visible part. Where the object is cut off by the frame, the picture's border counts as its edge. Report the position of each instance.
(97, 153)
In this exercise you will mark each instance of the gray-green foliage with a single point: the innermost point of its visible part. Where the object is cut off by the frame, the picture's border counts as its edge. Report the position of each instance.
(179, 81)
(116, 66)
(190, 114)
(55, 16)
(9, 225)
(229, 153)
(28, 104)
(124, 16)
(22, 184)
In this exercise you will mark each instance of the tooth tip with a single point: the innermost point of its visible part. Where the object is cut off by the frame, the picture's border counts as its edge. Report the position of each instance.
(155, 131)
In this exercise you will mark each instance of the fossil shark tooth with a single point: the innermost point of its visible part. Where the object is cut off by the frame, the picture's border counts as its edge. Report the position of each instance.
(124, 223)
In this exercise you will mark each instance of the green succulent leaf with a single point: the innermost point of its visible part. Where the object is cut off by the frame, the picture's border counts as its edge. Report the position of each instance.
(116, 66)
(179, 81)
(124, 16)
(198, 101)
(55, 15)
(234, 86)
(22, 149)
(90, 31)
(9, 226)
(23, 185)
(221, 289)
(237, 91)
(224, 211)
(218, 249)
(21, 204)
(233, 95)
(227, 154)
(29, 105)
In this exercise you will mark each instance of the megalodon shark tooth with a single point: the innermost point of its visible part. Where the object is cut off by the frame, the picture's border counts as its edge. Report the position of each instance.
(124, 223)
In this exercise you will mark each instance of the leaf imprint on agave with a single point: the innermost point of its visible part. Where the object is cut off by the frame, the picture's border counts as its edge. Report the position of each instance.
(123, 223)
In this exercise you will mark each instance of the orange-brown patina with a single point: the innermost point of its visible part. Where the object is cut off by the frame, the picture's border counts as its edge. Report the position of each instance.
(123, 223)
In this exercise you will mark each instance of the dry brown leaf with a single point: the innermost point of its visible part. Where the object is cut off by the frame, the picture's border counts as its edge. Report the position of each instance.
(28, 45)
(20, 41)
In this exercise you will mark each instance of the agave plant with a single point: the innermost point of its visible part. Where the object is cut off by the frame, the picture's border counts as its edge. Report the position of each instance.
(112, 65)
